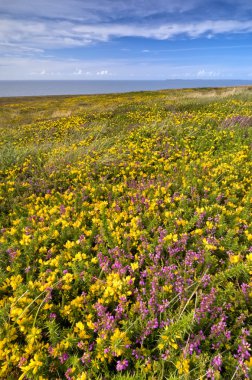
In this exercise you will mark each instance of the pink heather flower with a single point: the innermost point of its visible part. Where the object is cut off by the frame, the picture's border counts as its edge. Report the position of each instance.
(210, 374)
(22, 361)
(122, 365)
(245, 289)
(243, 352)
(205, 280)
(165, 355)
(67, 374)
(219, 328)
(12, 254)
(63, 357)
(205, 305)
(81, 238)
(62, 209)
(81, 345)
(50, 350)
(217, 362)
(85, 359)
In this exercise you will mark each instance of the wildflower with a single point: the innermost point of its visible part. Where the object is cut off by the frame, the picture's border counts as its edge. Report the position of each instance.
(217, 362)
(121, 365)
(67, 374)
(63, 357)
(119, 340)
(34, 365)
(234, 259)
(210, 374)
(243, 352)
(245, 289)
(182, 366)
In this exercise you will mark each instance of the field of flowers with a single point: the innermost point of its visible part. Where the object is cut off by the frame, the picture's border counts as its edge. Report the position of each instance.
(126, 236)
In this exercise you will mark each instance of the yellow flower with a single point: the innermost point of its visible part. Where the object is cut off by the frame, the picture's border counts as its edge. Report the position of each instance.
(182, 366)
(82, 376)
(118, 342)
(25, 239)
(234, 259)
(249, 362)
(249, 257)
(15, 281)
(34, 365)
(134, 266)
(33, 335)
(249, 235)
(80, 326)
(69, 244)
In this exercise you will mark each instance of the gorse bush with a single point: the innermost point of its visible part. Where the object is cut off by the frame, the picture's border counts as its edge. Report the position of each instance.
(126, 236)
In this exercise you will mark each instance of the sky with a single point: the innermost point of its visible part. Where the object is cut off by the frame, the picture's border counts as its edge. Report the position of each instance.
(132, 39)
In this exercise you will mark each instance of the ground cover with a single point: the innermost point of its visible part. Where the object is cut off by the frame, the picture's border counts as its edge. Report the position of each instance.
(126, 236)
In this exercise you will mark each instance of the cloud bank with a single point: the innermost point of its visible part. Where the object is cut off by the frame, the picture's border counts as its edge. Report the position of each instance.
(76, 23)
(35, 37)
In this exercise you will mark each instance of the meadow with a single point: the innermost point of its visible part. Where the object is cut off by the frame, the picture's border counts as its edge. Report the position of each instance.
(126, 236)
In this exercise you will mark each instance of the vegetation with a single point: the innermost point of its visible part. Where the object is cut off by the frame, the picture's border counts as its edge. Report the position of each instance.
(126, 236)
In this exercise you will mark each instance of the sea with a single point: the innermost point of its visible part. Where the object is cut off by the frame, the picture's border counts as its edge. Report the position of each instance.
(16, 88)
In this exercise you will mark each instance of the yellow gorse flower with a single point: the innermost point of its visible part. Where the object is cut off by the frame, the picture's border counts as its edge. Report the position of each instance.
(182, 366)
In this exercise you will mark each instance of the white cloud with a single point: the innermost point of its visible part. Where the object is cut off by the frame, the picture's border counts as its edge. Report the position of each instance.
(14, 47)
(36, 36)
(102, 72)
(95, 10)
(77, 72)
(111, 10)
(204, 74)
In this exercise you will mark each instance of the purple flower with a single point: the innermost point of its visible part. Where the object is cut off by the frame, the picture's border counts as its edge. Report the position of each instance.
(205, 280)
(243, 352)
(194, 257)
(81, 238)
(52, 316)
(219, 328)
(48, 294)
(22, 361)
(62, 210)
(205, 305)
(210, 374)
(245, 289)
(195, 341)
(86, 358)
(217, 362)
(12, 254)
(122, 365)
(67, 374)
(165, 355)
(63, 357)
(50, 350)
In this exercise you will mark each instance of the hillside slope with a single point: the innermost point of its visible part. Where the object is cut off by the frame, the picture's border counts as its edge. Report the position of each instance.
(126, 236)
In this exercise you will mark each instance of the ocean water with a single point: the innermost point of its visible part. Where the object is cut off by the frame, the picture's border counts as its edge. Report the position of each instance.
(74, 87)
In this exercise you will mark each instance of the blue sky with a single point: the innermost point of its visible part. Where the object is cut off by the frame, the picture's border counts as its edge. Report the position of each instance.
(115, 39)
